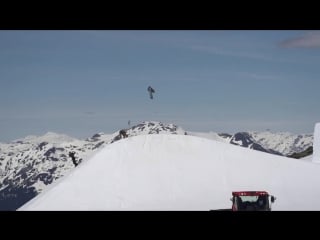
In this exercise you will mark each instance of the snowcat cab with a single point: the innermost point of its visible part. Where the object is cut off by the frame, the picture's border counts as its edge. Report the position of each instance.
(252, 201)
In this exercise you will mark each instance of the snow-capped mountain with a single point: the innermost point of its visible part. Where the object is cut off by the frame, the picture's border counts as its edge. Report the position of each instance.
(244, 139)
(283, 142)
(151, 127)
(279, 143)
(30, 164)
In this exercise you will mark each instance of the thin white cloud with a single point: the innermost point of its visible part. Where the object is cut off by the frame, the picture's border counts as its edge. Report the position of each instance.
(309, 40)
(220, 51)
(259, 76)
(224, 52)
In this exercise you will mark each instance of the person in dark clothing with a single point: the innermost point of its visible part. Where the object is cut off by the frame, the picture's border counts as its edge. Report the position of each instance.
(151, 91)
(123, 133)
(71, 154)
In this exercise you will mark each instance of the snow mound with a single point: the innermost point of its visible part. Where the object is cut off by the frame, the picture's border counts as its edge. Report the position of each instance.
(179, 172)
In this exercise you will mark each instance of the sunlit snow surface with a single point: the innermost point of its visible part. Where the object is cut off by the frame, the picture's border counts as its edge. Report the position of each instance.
(178, 172)
(316, 144)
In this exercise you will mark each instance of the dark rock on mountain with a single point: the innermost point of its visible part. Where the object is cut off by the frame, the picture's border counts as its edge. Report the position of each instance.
(302, 154)
(225, 135)
(244, 139)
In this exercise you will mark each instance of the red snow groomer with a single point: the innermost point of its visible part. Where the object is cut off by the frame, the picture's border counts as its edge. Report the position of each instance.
(252, 201)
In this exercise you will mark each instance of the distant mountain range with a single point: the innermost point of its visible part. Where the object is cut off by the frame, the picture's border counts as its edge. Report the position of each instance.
(30, 164)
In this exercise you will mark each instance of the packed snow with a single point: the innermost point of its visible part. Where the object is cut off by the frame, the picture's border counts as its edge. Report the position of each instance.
(29, 165)
(209, 135)
(179, 172)
(316, 144)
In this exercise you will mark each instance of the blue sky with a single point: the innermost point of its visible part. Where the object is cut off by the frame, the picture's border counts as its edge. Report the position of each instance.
(83, 82)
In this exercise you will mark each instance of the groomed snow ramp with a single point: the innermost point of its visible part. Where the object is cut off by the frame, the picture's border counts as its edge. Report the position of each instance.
(177, 172)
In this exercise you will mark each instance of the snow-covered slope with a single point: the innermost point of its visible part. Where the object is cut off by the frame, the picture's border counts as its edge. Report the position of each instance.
(280, 143)
(29, 165)
(178, 172)
(244, 139)
(283, 142)
(316, 145)
(210, 135)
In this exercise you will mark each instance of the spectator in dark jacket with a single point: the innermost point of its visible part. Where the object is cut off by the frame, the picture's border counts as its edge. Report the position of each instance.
(123, 133)
(71, 154)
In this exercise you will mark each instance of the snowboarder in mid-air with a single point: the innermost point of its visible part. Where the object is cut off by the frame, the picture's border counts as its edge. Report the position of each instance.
(151, 91)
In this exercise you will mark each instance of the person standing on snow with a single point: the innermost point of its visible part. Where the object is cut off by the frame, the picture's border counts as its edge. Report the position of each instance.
(71, 154)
